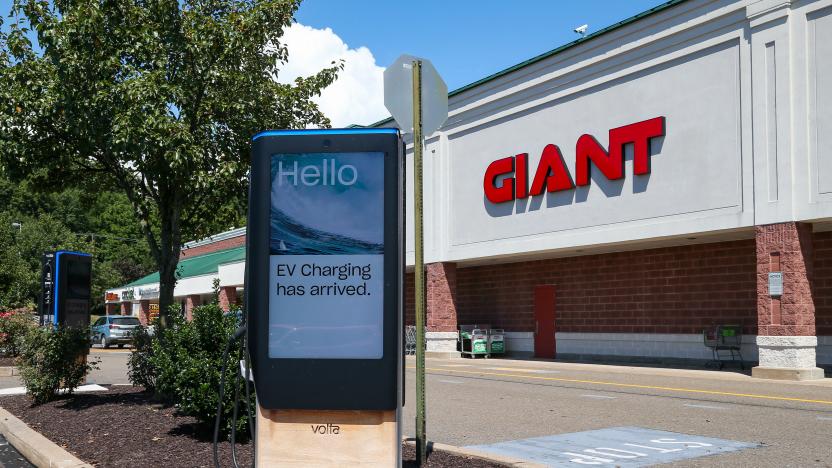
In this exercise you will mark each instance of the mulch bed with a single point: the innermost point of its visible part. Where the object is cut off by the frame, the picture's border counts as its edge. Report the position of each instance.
(125, 427)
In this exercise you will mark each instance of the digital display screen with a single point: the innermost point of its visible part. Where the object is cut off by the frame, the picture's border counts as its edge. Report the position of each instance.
(326, 256)
(76, 294)
(78, 276)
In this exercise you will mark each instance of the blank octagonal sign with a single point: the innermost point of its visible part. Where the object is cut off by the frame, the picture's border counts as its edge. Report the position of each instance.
(398, 94)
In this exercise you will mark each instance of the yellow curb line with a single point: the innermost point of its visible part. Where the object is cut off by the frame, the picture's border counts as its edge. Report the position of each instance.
(648, 387)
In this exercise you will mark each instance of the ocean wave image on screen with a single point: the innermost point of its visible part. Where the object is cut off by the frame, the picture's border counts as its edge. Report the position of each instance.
(292, 238)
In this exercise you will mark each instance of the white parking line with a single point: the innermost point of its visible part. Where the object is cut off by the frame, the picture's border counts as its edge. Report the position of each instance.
(451, 381)
(705, 406)
(600, 397)
(825, 418)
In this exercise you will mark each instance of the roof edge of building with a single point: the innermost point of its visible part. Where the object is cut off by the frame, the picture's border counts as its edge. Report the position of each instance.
(552, 52)
(230, 234)
(140, 282)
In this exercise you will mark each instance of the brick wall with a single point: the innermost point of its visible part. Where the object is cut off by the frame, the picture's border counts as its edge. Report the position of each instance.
(213, 247)
(667, 290)
(786, 248)
(822, 282)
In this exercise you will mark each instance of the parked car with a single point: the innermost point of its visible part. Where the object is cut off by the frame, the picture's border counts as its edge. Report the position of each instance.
(114, 330)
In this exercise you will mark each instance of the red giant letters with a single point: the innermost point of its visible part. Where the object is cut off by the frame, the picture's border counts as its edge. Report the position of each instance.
(552, 173)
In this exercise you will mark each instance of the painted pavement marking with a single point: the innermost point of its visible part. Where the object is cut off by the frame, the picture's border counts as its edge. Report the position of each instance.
(451, 381)
(82, 388)
(646, 387)
(600, 397)
(455, 365)
(705, 406)
(615, 446)
(825, 418)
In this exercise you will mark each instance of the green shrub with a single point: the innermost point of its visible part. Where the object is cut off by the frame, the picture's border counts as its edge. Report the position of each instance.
(54, 359)
(140, 369)
(183, 364)
(14, 325)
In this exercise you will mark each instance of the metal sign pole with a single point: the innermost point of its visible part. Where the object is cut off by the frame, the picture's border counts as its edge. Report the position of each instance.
(419, 268)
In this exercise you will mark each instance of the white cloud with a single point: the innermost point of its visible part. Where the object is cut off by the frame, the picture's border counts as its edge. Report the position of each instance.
(357, 96)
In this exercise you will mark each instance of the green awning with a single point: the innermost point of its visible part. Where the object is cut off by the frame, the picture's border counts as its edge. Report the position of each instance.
(197, 266)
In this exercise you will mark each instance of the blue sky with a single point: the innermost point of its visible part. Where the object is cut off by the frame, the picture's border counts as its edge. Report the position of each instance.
(465, 39)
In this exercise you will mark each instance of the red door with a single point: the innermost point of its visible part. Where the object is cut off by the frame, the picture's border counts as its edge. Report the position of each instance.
(544, 321)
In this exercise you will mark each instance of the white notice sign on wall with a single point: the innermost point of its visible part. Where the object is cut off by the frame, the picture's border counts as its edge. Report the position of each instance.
(775, 283)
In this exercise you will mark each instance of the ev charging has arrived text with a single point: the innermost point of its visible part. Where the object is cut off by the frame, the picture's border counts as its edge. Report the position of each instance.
(347, 279)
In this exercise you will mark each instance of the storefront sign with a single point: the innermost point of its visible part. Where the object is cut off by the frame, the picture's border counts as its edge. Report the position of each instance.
(153, 311)
(149, 293)
(112, 297)
(127, 295)
(507, 179)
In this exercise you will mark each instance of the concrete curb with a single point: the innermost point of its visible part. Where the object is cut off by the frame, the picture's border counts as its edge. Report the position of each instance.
(8, 371)
(463, 452)
(39, 450)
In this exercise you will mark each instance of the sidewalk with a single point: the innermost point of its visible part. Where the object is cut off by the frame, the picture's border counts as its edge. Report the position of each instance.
(730, 372)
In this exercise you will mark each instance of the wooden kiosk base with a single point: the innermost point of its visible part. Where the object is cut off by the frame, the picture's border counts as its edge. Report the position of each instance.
(312, 438)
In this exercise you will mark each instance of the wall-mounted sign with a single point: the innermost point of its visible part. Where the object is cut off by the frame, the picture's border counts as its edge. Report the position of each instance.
(112, 297)
(149, 293)
(153, 311)
(775, 283)
(128, 295)
(507, 179)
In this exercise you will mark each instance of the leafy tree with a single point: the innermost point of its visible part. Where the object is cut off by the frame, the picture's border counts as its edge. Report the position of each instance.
(96, 222)
(157, 97)
(21, 249)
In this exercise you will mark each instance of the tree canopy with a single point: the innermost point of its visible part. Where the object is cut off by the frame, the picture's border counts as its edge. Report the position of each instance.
(33, 222)
(158, 98)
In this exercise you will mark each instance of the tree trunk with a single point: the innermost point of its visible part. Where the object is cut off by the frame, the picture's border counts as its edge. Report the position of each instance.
(167, 283)
(170, 246)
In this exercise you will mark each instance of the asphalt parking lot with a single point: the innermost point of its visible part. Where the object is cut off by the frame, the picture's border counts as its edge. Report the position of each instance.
(482, 402)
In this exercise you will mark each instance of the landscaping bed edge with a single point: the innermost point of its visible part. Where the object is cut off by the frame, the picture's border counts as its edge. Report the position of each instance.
(39, 450)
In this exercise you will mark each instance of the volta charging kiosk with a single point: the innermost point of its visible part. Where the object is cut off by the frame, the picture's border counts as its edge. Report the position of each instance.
(65, 289)
(323, 294)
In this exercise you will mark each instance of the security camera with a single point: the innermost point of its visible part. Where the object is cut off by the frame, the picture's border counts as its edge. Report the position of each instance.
(581, 29)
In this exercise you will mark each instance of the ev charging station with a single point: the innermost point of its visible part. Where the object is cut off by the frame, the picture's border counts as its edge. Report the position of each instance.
(325, 266)
(65, 289)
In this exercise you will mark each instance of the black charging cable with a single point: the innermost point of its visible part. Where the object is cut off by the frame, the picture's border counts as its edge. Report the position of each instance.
(239, 333)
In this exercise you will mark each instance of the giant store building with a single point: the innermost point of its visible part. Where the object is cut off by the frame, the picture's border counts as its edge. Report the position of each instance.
(614, 197)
